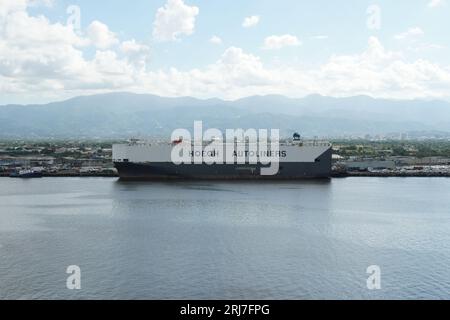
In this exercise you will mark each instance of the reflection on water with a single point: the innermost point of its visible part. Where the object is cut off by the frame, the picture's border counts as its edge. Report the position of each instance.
(229, 240)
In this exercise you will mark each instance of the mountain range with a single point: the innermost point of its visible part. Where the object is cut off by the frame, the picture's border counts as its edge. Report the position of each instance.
(124, 115)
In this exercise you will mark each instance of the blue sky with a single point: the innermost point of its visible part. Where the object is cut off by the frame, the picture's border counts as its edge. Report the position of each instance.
(344, 22)
(296, 48)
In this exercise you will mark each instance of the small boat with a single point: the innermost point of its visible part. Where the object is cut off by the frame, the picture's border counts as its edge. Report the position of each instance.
(26, 174)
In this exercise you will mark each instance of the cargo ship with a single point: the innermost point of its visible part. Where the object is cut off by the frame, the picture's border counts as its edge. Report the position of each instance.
(299, 159)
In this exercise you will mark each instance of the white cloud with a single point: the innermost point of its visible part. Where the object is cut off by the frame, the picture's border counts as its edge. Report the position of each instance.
(33, 48)
(136, 53)
(9, 6)
(41, 58)
(173, 20)
(44, 60)
(215, 40)
(250, 21)
(411, 33)
(413, 40)
(235, 74)
(100, 35)
(435, 3)
(376, 72)
(239, 69)
(381, 73)
(133, 47)
(278, 42)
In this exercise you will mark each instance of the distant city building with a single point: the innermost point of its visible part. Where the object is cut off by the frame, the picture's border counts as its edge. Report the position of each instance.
(371, 164)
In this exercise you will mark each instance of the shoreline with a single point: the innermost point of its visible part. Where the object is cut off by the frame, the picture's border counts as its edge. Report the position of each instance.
(334, 175)
(69, 175)
(392, 175)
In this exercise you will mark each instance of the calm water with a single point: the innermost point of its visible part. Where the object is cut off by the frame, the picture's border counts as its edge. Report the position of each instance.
(305, 240)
